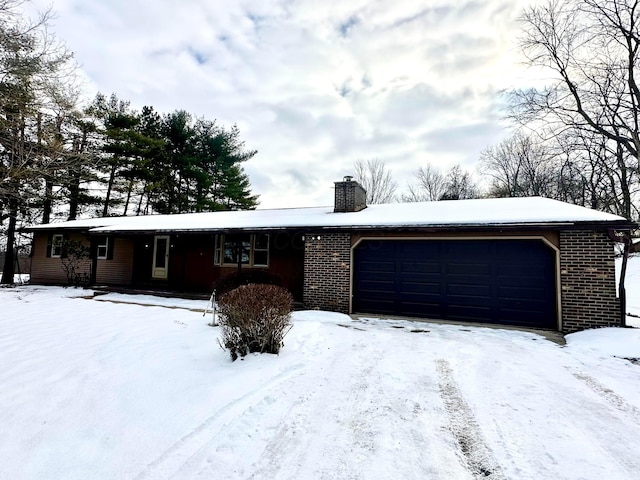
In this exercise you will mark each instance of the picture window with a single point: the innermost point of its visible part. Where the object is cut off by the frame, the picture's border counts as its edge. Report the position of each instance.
(245, 249)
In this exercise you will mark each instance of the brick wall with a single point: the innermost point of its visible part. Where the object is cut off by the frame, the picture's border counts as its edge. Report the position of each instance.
(587, 274)
(327, 260)
(349, 197)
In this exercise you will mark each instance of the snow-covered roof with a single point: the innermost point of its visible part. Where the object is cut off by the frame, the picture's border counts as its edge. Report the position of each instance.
(454, 213)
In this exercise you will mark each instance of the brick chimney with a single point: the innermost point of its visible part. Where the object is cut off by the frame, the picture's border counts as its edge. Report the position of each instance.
(350, 196)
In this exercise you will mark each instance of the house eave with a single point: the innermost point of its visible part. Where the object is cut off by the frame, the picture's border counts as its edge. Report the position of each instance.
(424, 227)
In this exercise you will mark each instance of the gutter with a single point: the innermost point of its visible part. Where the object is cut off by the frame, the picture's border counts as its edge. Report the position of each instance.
(563, 225)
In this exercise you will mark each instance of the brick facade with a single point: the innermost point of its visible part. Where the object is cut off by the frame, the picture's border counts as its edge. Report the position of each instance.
(327, 265)
(587, 274)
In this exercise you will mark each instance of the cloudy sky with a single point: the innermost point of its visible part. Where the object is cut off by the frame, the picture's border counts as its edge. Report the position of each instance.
(313, 85)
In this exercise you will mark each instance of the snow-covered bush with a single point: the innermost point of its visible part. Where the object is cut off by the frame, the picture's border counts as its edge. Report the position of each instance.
(254, 318)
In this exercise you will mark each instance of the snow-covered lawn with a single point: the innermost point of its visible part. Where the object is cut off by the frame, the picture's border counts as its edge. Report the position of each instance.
(121, 387)
(99, 390)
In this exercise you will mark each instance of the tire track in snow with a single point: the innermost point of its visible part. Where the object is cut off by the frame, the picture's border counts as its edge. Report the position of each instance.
(465, 428)
(365, 428)
(620, 448)
(612, 397)
(177, 455)
(285, 458)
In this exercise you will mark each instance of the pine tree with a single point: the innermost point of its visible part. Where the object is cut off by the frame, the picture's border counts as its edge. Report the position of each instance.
(35, 71)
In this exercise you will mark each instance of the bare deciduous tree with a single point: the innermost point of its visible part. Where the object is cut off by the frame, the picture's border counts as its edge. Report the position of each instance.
(459, 185)
(376, 179)
(432, 185)
(593, 48)
(429, 185)
(520, 166)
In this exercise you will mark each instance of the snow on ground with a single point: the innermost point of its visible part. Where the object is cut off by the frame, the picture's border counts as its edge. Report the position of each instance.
(154, 300)
(102, 390)
(19, 279)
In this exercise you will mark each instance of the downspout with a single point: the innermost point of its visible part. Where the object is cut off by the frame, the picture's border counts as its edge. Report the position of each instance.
(626, 241)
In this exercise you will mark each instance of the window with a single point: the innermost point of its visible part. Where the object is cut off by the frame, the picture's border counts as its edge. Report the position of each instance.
(261, 250)
(245, 249)
(103, 248)
(236, 247)
(56, 245)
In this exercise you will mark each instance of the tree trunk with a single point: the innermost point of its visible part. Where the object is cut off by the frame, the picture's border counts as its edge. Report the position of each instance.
(144, 191)
(48, 203)
(624, 184)
(74, 194)
(8, 270)
(126, 203)
(105, 210)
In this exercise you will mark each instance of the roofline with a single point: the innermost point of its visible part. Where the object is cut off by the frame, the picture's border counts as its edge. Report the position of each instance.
(51, 227)
(621, 225)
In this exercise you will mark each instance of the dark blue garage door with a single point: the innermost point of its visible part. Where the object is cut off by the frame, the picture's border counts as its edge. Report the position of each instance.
(492, 281)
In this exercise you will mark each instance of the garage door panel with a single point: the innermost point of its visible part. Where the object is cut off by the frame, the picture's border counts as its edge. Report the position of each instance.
(377, 266)
(468, 301)
(419, 309)
(377, 288)
(493, 281)
(471, 249)
(471, 313)
(418, 249)
(421, 299)
(523, 271)
(420, 267)
(381, 305)
(474, 290)
(521, 292)
(463, 269)
(420, 288)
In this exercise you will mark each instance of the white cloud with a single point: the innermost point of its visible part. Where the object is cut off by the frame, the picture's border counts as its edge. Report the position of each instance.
(312, 85)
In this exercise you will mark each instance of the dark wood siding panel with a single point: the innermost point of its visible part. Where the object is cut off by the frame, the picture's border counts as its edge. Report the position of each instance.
(48, 271)
(286, 260)
(118, 270)
(191, 265)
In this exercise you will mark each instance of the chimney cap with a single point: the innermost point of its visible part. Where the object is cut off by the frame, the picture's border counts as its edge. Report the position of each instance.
(347, 178)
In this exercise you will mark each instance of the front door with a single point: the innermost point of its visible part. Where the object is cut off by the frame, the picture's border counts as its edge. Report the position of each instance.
(160, 257)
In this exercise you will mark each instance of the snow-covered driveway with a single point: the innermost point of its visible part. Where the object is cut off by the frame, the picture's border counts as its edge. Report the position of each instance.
(113, 391)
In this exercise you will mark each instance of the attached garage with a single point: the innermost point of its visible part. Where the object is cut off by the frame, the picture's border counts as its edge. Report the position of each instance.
(502, 281)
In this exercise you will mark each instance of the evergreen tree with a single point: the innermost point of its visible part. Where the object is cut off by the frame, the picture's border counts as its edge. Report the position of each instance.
(34, 71)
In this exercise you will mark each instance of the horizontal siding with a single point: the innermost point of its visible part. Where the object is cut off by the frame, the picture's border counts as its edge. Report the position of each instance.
(117, 271)
(48, 271)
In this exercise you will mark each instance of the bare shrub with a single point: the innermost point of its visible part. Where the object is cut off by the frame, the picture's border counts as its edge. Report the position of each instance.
(75, 263)
(254, 318)
(233, 280)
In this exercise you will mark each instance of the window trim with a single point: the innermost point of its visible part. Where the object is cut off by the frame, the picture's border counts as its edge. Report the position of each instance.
(104, 245)
(218, 252)
(57, 245)
(254, 242)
